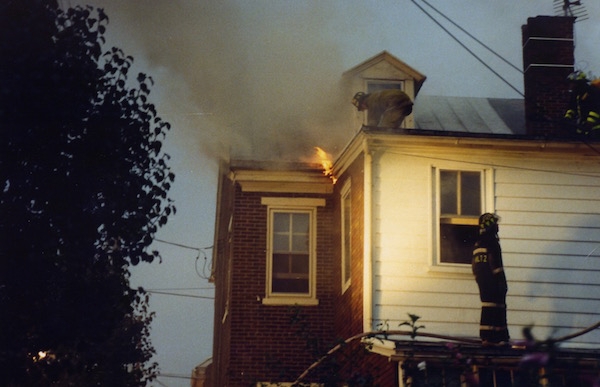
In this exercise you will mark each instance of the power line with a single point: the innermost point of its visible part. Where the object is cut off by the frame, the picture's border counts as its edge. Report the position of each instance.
(200, 250)
(480, 163)
(167, 289)
(182, 245)
(468, 50)
(474, 38)
(176, 376)
(179, 294)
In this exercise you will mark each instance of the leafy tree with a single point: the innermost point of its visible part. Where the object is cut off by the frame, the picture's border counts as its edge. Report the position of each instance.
(83, 189)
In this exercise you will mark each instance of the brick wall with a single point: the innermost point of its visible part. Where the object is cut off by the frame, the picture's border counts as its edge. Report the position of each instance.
(548, 58)
(221, 337)
(349, 308)
(265, 343)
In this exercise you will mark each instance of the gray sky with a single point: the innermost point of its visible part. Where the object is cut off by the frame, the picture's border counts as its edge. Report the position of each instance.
(260, 76)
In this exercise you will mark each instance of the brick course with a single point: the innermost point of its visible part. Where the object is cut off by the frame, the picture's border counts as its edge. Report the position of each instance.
(548, 58)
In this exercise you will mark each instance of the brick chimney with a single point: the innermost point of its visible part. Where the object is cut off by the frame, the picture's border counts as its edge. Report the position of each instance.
(548, 58)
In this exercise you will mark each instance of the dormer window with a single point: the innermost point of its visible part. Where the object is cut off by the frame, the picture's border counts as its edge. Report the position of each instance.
(377, 85)
(383, 72)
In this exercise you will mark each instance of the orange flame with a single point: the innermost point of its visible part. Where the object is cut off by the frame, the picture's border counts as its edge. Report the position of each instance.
(325, 159)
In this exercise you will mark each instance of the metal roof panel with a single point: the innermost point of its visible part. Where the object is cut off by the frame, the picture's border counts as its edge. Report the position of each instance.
(469, 114)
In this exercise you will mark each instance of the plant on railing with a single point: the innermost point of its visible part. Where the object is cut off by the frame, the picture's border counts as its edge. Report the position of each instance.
(411, 369)
(412, 324)
(537, 366)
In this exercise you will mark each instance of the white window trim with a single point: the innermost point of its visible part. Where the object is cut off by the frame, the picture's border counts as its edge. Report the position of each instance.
(345, 192)
(487, 204)
(373, 81)
(284, 204)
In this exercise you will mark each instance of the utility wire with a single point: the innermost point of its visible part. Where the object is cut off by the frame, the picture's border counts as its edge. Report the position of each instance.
(565, 173)
(474, 38)
(468, 50)
(200, 250)
(176, 376)
(161, 383)
(170, 289)
(179, 294)
(182, 245)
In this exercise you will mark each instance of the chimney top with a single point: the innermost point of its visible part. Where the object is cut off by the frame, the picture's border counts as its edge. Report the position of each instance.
(548, 58)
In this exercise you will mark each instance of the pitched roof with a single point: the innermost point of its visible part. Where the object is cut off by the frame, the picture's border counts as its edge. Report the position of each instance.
(470, 115)
(392, 60)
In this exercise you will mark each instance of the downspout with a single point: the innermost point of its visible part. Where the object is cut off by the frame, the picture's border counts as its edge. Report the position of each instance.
(367, 231)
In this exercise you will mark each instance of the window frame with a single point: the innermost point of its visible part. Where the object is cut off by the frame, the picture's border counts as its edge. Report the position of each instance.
(346, 235)
(370, 82)
(292, 205)
(370, 87)
(486, 204)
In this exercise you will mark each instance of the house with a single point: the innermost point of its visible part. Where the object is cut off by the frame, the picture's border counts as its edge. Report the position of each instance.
(199, 377)
(304, 259)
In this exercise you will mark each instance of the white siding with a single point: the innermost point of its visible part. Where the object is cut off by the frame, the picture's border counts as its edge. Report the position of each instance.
(550, 237)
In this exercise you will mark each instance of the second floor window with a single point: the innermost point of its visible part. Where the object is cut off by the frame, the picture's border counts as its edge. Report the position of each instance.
(291, 252)
(346, 222)
(460, 204)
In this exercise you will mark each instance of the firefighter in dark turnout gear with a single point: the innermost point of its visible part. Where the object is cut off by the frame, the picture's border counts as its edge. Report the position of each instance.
(491, 280)
(584, 107)
(387, 108)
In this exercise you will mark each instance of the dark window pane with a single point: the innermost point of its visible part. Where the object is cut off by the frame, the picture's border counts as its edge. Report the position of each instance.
(290, 273)
(448, 186)
(470, 193)
(456, 243)
(281, 263)
(290, 285)
(299, 264)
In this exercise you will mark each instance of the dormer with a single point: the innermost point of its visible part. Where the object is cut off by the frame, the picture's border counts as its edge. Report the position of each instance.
(384, 71)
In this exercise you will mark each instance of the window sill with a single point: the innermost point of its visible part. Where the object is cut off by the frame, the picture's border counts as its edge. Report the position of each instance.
(290, 301)
(458, 269)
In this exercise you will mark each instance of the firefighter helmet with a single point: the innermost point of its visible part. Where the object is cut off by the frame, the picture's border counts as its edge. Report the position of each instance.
(577, 76)
(358, 99)
(488, 222)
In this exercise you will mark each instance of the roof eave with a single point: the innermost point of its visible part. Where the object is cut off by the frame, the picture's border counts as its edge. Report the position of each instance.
(369, 137)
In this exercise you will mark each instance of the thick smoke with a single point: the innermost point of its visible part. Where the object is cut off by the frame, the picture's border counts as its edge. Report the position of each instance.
(255, 80)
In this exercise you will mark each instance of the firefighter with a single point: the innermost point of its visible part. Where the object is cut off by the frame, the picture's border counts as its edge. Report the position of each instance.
(584, 107)
(387, 108)
(491, 280)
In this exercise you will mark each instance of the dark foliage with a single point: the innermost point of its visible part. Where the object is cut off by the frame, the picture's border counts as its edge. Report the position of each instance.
(353, 365)
(83, 189)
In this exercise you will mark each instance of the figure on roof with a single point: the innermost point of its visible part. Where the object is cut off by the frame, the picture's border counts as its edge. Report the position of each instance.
(491, 280)
(387, 108)
(584, 107)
